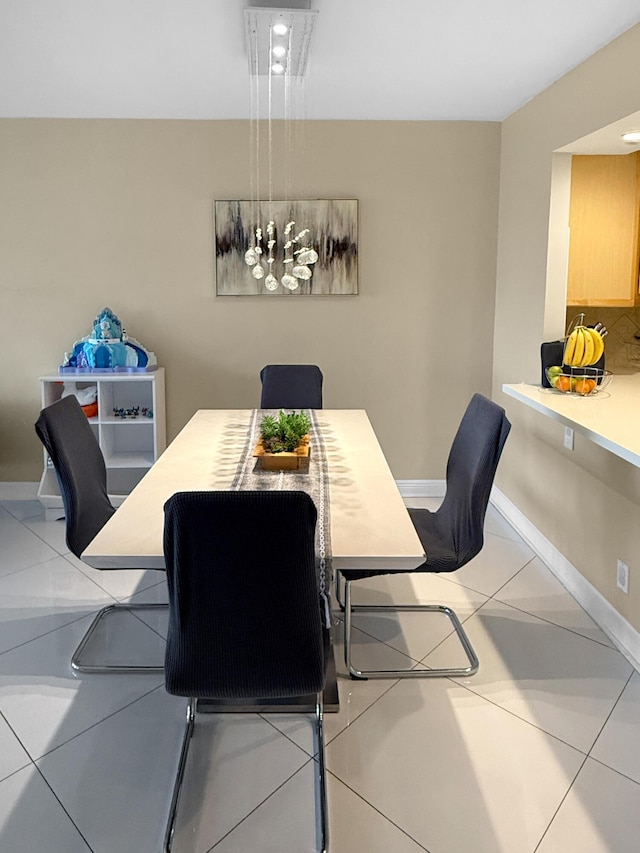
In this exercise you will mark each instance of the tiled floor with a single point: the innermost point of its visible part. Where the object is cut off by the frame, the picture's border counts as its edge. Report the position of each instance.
(540, 751)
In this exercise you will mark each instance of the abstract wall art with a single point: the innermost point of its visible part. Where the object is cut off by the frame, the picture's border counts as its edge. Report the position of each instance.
(286, 248)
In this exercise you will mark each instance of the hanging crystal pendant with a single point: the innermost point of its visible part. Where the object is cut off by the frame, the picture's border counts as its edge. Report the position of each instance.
(307, 256)
(257, 271)
(250, 257)
(301, 272)
(289, 281)
(271, 282)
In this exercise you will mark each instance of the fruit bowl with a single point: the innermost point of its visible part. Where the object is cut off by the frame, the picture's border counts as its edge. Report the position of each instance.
(578, 381)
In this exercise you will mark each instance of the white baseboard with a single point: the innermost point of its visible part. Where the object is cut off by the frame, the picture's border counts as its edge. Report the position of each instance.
(18, 491)
(421, 488)
(620, 632)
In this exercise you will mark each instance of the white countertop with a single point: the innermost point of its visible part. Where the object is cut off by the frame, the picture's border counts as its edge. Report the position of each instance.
(610, 418)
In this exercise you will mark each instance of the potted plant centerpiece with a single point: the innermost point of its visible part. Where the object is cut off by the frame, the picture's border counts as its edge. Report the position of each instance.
(284, 441)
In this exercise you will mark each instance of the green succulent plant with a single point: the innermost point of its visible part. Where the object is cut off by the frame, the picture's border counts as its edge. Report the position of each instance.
(285, 432)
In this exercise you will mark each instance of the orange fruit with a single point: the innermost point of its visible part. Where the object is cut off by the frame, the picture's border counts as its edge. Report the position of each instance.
(563, 383)
(585, 386)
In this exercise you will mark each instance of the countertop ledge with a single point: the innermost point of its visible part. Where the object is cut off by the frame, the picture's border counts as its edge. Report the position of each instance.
(610, 418)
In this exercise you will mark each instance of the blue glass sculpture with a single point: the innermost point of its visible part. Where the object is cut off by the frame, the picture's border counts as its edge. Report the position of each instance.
(108, 347)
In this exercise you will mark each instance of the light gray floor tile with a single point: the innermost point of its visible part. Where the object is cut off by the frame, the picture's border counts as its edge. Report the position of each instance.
(20, 547)
(555, 679)
(353, 825)
(421, 756)
(52, 532)
(431, 504)
(156, 618)
(268, 830)
(156, 594)
(46, 704)
(355, 697)
(413, 634)
(498, 561)
(536, 590)
(618, 745)
(115, 779)
(120, 583)
(45, 597)
(235, 762)
(32, 820)
(601, 814)
(12, 754)
(454, 770)
(23, 510)
(497, 524)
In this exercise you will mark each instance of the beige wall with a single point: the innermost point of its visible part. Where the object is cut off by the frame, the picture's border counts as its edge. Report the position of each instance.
(119, 213)
(587, 502)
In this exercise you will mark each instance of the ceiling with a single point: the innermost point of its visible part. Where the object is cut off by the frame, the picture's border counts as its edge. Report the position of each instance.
(369, 59)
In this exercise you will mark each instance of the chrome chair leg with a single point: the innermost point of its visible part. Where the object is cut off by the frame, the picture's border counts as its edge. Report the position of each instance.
(405, 673)
(177, 787)
(182, 763)
(76, 661)
(322, 777)
(339, 593)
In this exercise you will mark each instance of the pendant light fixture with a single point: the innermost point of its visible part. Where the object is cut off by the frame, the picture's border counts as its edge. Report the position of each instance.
(279, 254)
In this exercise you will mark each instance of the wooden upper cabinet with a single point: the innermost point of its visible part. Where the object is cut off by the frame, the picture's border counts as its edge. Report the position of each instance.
(604, 218)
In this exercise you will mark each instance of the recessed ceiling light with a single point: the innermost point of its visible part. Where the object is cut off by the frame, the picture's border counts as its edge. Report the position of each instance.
(280, 29)
(277, 68)
(631, 136)
(279, 50)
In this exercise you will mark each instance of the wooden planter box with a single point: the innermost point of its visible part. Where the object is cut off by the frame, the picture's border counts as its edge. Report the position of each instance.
(285, 461)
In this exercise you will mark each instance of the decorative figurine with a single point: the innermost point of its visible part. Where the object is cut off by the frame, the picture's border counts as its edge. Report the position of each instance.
(108, 348)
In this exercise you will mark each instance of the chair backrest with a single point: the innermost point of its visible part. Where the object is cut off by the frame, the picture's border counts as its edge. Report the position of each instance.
(244, 606)
(291, 386)
(471, 469)
(74, 450)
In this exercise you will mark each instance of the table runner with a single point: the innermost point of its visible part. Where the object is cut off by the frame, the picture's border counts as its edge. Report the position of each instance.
(315, 481)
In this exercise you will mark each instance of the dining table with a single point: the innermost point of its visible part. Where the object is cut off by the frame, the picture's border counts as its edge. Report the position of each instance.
(362, 519)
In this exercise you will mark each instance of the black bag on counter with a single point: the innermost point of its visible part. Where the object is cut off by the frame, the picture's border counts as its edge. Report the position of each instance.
(551, 353)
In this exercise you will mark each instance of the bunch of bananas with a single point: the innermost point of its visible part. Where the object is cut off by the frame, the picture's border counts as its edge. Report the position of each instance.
(584, 346)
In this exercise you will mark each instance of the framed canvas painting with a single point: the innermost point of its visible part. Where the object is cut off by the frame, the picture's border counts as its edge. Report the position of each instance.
(286, 248)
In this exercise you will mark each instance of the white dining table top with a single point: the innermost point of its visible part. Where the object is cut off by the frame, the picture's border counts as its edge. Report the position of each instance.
(370, 526)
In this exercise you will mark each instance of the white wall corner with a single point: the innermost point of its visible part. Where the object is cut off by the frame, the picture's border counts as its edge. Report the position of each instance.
(620, 632)
(421, 488)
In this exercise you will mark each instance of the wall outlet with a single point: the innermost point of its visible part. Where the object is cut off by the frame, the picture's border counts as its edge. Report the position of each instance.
(568, 438)
(622, 576)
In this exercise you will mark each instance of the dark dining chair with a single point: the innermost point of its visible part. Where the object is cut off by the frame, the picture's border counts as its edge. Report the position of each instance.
(75, 453)
(244, 608)
(452, 535)
(291, 386)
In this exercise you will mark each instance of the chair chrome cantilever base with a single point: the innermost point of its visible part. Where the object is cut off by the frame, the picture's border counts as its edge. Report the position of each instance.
(76, 661)
(321, 776)
(364, 674)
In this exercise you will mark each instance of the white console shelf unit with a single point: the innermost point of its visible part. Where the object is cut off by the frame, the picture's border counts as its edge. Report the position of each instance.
(130, 446)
